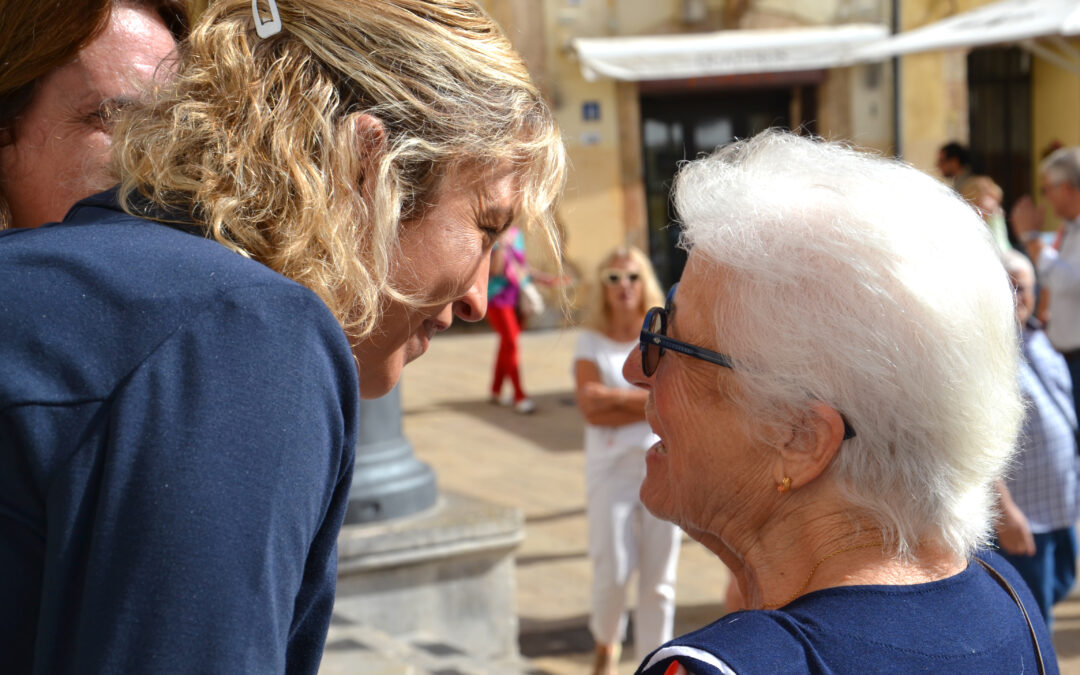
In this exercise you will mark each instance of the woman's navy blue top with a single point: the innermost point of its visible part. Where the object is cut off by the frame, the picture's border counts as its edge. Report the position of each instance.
(966, 623)
(177, 429)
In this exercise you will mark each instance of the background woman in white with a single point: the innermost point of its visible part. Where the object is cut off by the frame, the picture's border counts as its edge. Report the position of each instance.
(623, 536)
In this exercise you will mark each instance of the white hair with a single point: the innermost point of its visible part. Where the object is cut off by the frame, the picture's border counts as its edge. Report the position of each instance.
(865, 284)
(1015, 262)
(1062, 166)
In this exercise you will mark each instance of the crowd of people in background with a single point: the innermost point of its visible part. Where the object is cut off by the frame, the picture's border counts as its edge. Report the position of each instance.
(1039, 499)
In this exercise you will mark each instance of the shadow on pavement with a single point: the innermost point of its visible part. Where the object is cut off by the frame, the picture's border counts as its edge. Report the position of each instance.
(539, 638)
(557, 515)
(555, 426)
(527, 560)
(1067, 632)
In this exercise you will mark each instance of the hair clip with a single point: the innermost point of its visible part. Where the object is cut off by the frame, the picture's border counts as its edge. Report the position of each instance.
(266, 28)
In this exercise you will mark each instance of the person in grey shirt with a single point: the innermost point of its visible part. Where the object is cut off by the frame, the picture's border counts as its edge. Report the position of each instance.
(1058, 265)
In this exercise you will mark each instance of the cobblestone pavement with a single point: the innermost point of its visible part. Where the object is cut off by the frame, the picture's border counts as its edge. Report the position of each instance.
(534, 462)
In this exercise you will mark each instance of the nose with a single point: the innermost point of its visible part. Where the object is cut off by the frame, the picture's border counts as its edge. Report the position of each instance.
(473, 305)
(632, 371)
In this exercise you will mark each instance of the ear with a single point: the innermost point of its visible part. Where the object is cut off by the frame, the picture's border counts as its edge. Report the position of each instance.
(809, 449)
(370, 133)
(369, 141)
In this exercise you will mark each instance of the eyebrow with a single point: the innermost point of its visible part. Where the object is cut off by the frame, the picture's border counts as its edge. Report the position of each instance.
(117, 102)
(90, 108)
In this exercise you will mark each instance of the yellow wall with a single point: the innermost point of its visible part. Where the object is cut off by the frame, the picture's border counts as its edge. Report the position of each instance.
(1055, 100)
(933, 87)
(594, 208)
(934, 110)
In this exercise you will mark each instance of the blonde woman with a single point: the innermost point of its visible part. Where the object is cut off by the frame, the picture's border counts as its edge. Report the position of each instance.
(623, 536)
(311, 199)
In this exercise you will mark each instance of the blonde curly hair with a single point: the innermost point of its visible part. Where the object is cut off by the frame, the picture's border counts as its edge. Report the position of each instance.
(256, 140)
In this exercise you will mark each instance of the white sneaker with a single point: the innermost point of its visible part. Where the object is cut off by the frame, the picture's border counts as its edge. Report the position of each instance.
(505, 400)
(524, 406)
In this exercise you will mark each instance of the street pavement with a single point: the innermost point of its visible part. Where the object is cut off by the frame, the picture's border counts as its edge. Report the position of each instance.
(533, 462)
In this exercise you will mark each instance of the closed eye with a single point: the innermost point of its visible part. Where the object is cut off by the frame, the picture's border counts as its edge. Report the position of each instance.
(104, 116)
(493, 233)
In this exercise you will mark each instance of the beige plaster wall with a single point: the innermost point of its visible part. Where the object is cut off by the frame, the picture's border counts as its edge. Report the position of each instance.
(934, 104)
(872, 107)
(592, 210)
(933, 87)
(1055, 100)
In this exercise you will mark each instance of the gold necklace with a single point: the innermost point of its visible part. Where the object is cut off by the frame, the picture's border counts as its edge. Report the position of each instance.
(814, 569)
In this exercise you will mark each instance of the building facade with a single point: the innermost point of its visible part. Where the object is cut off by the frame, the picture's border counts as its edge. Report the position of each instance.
(1011, 99)
(627, 127)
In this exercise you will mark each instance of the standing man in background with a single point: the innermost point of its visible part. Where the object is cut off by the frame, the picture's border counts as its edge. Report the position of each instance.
(954, 163)
(1058, 266)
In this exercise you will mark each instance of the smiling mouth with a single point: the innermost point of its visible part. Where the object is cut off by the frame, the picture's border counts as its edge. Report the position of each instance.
(433, 326)
(429, 328)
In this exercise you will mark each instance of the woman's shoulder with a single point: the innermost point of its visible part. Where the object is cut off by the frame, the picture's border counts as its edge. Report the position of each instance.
(588, 338)
(966, 620)
(596, 344)
(746, 642)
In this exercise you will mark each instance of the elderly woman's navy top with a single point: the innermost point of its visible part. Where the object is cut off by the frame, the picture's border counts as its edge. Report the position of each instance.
(177, 428)
(966, 623)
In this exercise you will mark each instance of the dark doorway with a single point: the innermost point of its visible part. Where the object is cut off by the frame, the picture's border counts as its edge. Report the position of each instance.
(999, 118)
(677, 127)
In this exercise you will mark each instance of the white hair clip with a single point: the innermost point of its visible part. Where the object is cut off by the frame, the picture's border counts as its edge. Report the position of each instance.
(266, 28)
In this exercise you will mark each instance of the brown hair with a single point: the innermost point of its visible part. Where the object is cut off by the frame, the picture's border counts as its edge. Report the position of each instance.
(39, 36)
(36, 38)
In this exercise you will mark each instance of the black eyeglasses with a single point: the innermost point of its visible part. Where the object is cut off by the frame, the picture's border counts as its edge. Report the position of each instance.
(654, 341)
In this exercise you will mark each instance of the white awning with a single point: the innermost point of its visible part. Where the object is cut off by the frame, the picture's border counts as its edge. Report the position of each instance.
(1007, 22)
(733, 52)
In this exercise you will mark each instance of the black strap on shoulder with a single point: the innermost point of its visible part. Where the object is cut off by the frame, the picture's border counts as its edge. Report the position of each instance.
(1016, 598)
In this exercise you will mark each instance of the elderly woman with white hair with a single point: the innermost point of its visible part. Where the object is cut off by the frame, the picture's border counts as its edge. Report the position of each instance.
(835, 392)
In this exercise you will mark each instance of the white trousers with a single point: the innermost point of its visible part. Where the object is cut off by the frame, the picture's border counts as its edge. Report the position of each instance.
(624, 537)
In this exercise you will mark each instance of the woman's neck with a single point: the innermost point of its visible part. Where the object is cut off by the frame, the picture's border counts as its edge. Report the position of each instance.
(623, 327)
(794, 556)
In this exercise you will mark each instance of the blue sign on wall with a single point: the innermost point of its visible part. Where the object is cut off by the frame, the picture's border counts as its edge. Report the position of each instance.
(590, 111)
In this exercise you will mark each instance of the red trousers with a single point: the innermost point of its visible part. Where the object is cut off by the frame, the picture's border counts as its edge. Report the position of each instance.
(505, 323)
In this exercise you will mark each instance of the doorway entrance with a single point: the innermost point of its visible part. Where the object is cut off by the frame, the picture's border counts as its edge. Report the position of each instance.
(999, 118)
(677, 127)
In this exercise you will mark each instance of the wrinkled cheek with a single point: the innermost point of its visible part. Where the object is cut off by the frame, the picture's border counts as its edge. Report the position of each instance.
(657, 493)
(95, 163)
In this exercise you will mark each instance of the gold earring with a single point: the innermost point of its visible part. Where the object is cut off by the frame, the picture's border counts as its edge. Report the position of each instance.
(784, 485)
